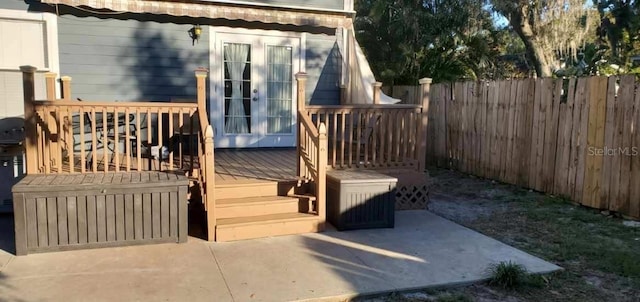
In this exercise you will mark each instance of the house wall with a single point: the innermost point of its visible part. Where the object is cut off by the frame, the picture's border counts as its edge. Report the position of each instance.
(110, 59)
(324, 69)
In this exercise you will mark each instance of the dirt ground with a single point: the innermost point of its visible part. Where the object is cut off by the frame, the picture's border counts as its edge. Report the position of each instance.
(600, 254)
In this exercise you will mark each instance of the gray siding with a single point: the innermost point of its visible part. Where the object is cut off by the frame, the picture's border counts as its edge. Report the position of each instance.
(328, 4)
(14, 4)
(324, 70)
(111, 59)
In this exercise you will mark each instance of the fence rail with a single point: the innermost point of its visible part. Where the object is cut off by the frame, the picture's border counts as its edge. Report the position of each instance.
(576, 138)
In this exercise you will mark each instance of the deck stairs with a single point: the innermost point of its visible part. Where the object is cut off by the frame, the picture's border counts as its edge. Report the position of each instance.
(263, 209)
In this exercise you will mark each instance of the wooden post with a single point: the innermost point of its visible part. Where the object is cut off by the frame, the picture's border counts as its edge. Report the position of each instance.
(377, 87)
(343, 94)
(50, 80)
(321, 182)
(301, 82)
(425, 85)
(201, 78)
(30, 138)
(66, 88)
(209, 184)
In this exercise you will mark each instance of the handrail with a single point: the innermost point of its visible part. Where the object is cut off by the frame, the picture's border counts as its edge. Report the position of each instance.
(86, 103)
(364, 106)
(306, 121)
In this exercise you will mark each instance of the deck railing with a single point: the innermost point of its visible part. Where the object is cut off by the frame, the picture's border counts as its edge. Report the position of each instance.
(67, 136)
(312, 152)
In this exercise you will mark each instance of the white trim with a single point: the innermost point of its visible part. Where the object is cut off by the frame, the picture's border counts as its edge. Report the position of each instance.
(51, 34)
(303, 53)
(347, 8)
(260, 138)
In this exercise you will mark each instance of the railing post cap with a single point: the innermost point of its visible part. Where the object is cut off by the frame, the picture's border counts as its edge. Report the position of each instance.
(28, 68)
(301, 76)
(201, 72)
(50, 74)
(425, 81)
(65, 78)
(377, 84)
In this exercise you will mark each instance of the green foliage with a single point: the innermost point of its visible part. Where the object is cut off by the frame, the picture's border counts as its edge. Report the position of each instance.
(508, 275)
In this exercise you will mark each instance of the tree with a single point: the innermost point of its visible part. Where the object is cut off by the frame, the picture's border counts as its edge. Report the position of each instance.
(619, 31)
(549, 29)
(446, 40)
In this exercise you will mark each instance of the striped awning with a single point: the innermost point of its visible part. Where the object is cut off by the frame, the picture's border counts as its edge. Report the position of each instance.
(217, 10)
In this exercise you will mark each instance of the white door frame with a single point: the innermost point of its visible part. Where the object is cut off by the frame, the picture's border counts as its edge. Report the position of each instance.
(259, 39)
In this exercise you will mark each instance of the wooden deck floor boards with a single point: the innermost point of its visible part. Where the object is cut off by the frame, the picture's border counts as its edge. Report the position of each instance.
(255, 165)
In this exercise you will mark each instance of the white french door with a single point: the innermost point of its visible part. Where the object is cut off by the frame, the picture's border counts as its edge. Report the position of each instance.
(254, 94)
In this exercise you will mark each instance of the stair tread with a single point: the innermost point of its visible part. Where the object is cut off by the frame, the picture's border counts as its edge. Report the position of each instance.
(306, 196)
(252, 183)
(257, 199)
(221, 223)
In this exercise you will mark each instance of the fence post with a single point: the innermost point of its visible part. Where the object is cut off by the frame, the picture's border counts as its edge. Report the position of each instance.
(321, 184)
(301, 81)
(50, 81)
(201, 77)
(30, 139)
(425, 85)
(66, 88)
(377, 87)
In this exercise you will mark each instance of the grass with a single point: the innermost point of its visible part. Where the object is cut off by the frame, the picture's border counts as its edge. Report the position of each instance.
(508, 275)
(600, 256)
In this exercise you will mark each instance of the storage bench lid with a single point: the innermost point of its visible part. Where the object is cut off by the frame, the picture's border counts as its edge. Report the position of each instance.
(359, 176)
(90, 181)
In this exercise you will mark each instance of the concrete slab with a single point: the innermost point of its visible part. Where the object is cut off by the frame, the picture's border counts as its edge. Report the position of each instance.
(168, 272)
(423, 251)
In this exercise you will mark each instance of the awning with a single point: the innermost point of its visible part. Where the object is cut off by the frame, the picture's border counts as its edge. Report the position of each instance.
(217, 10)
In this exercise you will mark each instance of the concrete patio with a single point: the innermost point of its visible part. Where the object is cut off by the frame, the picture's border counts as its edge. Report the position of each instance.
(423, 251)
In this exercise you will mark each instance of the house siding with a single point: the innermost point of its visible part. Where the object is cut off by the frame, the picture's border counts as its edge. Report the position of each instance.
(320, 4)
(111, 59)
(323, 67)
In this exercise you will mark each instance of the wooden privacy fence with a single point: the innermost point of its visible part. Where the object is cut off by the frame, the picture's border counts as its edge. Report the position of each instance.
(576, 138)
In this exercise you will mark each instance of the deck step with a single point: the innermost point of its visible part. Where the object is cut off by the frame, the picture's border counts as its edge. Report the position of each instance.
(258, 189)
(240, 228)
(256, 206)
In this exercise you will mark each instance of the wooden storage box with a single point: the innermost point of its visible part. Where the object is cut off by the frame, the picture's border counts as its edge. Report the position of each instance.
(78, 211)
(360, 199)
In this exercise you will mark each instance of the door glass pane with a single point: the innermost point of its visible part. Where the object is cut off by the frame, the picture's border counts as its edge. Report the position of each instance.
(279, 89)
(237, 88)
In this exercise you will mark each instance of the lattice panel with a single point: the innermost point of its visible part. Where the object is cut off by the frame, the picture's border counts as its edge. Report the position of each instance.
(412, 197)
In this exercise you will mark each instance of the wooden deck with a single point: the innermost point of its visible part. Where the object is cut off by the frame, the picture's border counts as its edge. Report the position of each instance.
(255, 165)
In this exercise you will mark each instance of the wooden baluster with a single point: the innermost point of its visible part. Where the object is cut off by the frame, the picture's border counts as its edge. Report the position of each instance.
(83, 143)
(138, 141)
(171, 138)
(105, 141)
(180, 138)
(116, 142)
(343, 136)
(149, 140)
(350, 135)
(127, 139)
(160, 117)
(39, 138)
(47, 141)
(334, 133)
(94, 142)
(390, 127)
(192, 152)
(374, 138)
(398, 135)
(359, 117)
(58, 144)
(70, 139)
(383, 134)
